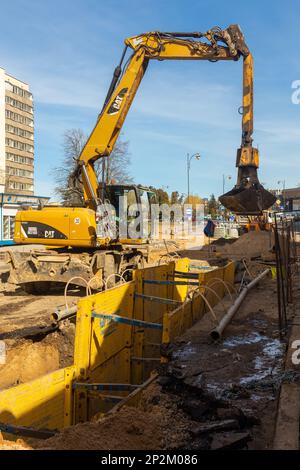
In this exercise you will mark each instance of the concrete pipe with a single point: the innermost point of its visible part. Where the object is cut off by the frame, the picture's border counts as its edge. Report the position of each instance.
(216, 333)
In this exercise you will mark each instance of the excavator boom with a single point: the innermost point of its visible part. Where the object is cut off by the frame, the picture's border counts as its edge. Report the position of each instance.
(248, 196)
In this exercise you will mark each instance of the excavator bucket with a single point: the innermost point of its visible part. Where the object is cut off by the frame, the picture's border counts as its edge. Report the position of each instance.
(248, 200)
(248, 197)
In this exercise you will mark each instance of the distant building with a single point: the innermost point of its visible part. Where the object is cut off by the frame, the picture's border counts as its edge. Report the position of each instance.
(16, 136)
(289, 198)
(16, 153)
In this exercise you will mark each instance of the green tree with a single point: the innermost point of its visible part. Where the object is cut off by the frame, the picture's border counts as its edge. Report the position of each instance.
(161, 195)
(212, 206)
(176, 198)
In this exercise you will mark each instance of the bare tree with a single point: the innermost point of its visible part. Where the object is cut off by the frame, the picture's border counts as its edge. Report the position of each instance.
(116, 167)
(68, 193)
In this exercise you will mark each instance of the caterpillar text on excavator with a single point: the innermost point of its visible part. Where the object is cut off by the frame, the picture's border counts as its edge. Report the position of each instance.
(78, 247)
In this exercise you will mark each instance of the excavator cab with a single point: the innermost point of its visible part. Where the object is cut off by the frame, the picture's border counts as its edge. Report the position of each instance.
(130, 202)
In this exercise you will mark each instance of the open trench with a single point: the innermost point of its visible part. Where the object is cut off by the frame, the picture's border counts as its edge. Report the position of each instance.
(215, 394)
(210, 395)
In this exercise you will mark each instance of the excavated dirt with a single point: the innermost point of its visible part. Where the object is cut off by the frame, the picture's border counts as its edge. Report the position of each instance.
(156, 424)
(249, 245)
(27, 361)
(34, 346)
(19, 444)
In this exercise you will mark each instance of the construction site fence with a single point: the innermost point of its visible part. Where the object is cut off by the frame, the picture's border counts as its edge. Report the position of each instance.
(121, 337)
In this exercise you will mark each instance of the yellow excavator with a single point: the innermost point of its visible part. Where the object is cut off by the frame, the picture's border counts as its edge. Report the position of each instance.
(78, 248)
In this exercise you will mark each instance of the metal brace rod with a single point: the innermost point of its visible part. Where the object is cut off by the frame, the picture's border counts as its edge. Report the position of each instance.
(145, 359)
(170, 283)
(194, 266)
(114, 398)
(105, 387)
(128, 321)
(185, 275)
(160, 300)
(26, 431)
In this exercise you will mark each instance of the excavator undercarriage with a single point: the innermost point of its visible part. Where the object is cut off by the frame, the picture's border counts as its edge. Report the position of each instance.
(38, 271)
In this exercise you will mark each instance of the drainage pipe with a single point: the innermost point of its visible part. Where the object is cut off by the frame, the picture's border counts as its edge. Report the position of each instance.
(216, 333)
(59, 315)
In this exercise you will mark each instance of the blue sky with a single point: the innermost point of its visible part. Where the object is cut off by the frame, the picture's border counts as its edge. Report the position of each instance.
(67, 51)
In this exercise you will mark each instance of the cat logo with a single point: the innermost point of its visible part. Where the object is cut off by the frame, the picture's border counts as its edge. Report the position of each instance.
(49, 233)
(117, 102)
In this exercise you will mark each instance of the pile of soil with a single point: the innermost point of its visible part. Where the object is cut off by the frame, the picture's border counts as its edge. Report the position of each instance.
(249, 245)
(19, 444)
(156, 424)
(223, 241)
(27, 361)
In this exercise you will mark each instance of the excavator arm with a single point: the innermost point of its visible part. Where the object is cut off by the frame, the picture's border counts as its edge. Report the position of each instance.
(214, 45)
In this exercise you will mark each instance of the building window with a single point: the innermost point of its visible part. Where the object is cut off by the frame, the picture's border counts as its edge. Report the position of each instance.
(18, 145)
(12, 157)
(18, 104)
(9, 87)
(18, 118)
(8, 227)
(18, 131)
(19, 172)
(18, 90)
(22, 186)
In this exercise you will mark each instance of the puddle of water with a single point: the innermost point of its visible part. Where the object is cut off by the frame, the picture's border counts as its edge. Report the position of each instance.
(264, 363)
(185, 352)
(256, 377)
(274, 349)
(258, 322)
(215, 390)
(255, 397)
(251, 338)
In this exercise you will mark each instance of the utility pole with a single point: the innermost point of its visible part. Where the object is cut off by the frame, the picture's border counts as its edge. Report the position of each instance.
(283, 192)
(188, 167)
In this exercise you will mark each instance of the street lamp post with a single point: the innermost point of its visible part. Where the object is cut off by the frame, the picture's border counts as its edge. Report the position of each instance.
(188, 166)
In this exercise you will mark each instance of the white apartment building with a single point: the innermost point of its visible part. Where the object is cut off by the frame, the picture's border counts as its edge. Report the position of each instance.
(16, 136)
